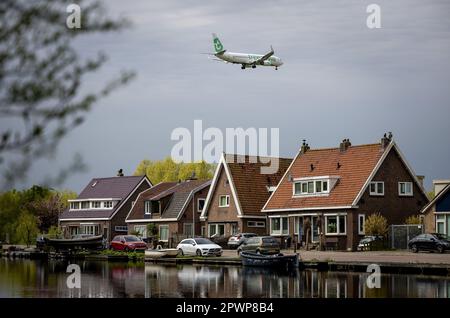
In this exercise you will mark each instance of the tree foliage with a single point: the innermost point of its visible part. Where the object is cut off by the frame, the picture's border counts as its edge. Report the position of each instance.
(41, 75)
(38, 204)
(26, 229)
(376, 224)
(167, 170)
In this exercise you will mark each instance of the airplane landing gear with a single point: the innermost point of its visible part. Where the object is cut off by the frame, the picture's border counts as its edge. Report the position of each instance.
(276, 68)
(253, 66)
(243, 67)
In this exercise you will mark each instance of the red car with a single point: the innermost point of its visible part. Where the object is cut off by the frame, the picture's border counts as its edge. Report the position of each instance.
(128, 243)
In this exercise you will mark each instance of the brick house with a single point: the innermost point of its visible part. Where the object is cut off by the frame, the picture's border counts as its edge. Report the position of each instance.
(174, 207)
(326, 194)
(237, 194)
(102, 206)
(437, 212)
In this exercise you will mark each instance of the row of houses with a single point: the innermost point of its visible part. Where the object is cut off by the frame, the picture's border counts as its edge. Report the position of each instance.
(322, 196)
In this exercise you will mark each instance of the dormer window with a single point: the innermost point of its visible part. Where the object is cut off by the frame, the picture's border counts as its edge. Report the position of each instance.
(148, 207)
(313, 186)
(96, 204)
(107, 204)
(74, 205)
(85, 205)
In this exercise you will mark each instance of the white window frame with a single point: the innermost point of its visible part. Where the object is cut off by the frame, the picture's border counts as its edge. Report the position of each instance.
(406, 194)
(198, 204)
(227, 201)
(92, 228)
(315, 183)
(108, 204)
(261, 224)
(337, 215)
(363, 218)
(73, 204)
(282, 219)
(138, 228)
(216, 227)
(147, 207)
(121, 228)
(442, 218)
(376, 193)
(96, 202)
(88, 203)
(168, 233)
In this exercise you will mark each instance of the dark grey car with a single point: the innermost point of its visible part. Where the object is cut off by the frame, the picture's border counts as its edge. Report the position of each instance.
(260, 244)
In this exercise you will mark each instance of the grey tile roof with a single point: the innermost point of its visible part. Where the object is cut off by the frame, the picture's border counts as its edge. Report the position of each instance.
(98, 188)
(179, 196)
(114, 187)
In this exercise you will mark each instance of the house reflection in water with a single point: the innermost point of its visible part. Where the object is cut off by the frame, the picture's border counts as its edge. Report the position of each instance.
(188, 281)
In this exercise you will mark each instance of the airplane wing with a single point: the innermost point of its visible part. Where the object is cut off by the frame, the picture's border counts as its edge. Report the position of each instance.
(218, 60)
(265, 57)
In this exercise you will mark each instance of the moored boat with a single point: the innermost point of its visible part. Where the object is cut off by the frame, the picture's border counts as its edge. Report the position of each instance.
(275, 260)
(161, 252)
(76, 242)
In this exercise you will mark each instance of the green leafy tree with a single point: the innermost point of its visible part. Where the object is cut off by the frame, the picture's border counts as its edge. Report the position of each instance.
(376, 224)
(26, 229)
(167, 170)
(41, 74)
(55, 232)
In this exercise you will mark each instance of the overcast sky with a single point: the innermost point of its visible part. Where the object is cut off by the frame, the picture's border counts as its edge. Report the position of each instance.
(339, 80)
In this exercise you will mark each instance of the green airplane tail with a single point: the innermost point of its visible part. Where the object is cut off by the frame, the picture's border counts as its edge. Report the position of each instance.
(218, 47)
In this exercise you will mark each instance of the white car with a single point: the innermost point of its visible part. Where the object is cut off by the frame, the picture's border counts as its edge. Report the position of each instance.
(199, 247)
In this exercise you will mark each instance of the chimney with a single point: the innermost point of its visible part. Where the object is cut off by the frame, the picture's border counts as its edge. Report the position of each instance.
(343, 146)
(439, 185)
(120, 173)
(305, 146)
(386, 140)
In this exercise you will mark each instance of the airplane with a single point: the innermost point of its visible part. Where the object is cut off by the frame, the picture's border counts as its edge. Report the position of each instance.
(246, 60)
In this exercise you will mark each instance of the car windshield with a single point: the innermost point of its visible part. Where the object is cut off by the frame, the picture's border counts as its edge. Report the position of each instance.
(132, 239)
(202, 241)
(442, 237)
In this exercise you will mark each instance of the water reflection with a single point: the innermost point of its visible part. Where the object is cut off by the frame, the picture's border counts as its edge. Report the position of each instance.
(27, 278)
(201, 281)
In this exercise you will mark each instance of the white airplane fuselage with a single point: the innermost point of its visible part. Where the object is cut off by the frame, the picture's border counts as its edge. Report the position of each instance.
(248, 59)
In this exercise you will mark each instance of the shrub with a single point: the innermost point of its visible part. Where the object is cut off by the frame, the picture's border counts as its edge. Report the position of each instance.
(413, 219)
(376, 224)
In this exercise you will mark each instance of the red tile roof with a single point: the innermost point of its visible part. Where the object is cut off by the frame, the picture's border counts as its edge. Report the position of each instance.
(355, 166)
(251, 185)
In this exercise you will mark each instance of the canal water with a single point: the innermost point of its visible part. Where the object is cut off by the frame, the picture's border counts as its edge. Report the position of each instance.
(32, 278)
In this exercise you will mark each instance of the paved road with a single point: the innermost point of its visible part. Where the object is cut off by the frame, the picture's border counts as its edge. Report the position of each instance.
(404, 257)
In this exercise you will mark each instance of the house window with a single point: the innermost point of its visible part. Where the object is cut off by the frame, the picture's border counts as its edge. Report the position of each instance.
(405, 189)
(216, 229)
(224, 201)
(200, 205)
(335, 224)
(188, 229)
(91, 229)
(121, 228)
(142, 230)
(279, 226)
(85, 205)
(377, 188)
(96, 204)
(164, 233)
(256, 224)
(107, 204)
(74, 205)
(148, 207)
(361, 223)
(311, 187)
(440, 224)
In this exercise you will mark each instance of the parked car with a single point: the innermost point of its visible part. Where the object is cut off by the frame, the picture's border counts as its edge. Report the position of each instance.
(261, 245)
(128, 243)
(236, 240)
(371, 242)
(220, 240)
(199, 247)
(430, 242)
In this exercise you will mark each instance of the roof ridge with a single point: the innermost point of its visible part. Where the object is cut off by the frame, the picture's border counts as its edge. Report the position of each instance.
(337, 148)
(103, 178)
(230, 154)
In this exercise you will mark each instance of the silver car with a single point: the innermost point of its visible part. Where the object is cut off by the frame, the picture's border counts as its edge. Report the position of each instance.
(236, 240)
